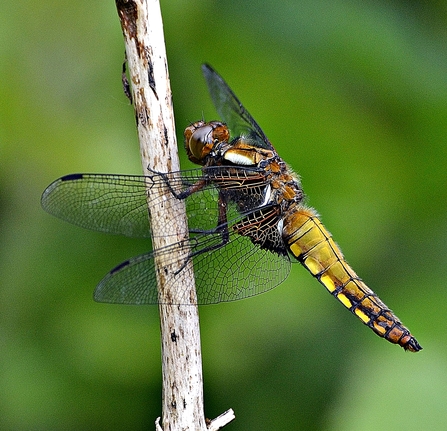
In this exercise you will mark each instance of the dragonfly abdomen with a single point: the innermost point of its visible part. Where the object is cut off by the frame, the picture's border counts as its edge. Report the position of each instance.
(310, 242)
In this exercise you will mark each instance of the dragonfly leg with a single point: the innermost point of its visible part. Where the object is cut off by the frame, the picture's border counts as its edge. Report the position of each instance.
(192, 188)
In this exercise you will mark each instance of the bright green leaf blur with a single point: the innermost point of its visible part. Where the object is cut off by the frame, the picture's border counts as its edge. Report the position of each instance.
(354, 97)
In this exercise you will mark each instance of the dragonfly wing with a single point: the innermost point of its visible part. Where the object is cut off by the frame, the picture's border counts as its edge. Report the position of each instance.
(223, 272)
(106, 203)
(232, 112)
(239, 270)
(132, 282)
(117, 204)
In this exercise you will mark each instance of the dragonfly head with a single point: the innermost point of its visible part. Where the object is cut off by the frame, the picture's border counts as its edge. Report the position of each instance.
(201, 137)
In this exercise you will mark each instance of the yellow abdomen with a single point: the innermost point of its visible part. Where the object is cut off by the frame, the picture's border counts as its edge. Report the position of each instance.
(310, 242)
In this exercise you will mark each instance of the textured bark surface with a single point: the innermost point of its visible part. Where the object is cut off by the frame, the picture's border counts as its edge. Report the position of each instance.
(150, 90)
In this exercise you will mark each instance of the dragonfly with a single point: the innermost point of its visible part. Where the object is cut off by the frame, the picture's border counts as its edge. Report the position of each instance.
(247, 221)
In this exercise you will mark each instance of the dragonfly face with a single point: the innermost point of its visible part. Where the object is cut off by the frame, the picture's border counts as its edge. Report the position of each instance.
(246, 220)
(201, 138)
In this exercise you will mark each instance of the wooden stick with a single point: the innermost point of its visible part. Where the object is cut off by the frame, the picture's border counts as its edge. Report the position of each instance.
(142, 27)
(182, 401)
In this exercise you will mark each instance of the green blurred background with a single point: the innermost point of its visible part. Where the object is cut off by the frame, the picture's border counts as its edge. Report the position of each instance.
(352, 94)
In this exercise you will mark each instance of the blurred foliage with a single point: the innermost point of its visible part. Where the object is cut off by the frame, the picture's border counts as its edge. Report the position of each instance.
(352, 94)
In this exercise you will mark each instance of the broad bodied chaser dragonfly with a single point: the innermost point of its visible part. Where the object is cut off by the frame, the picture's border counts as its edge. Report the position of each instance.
(247, 221)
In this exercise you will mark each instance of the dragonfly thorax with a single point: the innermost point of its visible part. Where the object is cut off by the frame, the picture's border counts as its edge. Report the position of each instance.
(241, 152)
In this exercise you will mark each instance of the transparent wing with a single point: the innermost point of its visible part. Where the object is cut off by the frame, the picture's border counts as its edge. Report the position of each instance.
(106, 203)
(232, 112)
(238, 270)
(244, 264)
(117, 204)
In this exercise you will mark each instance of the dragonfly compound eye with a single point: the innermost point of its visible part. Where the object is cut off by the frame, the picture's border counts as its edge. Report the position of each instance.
(200, 138)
